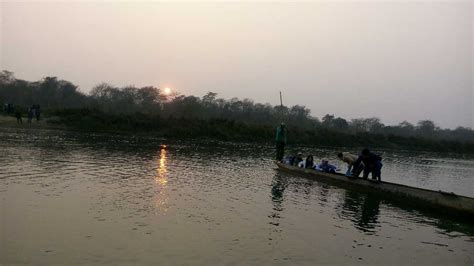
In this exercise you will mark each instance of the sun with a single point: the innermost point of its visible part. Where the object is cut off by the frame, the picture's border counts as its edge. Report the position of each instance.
(167, 91)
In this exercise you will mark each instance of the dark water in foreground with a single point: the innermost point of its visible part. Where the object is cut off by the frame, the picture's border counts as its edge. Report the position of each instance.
(97, 199)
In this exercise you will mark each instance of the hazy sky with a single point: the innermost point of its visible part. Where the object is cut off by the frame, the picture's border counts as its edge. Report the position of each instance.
(393, 60)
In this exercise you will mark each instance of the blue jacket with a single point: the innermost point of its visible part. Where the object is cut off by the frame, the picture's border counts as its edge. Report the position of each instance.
(371, 159)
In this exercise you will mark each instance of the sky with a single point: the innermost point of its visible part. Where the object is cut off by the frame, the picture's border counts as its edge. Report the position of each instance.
(393, 60)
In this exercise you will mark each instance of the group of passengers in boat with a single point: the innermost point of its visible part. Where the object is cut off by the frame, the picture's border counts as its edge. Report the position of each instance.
(367, 162)
(309, 163)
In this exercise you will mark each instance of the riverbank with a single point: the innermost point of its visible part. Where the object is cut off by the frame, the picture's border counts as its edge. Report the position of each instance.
(44, 123)
(225, 130)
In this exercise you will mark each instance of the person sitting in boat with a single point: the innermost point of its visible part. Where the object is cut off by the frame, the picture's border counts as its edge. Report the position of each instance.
(293, 160)
(348, 158)
(372, 164)
(289, 159)
(308, 163)
(298, 159)
(324, 166)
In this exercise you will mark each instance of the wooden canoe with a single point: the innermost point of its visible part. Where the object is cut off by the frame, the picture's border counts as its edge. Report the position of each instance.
(439, 201)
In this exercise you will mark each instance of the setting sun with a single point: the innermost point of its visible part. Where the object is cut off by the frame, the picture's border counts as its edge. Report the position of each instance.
(167, 91)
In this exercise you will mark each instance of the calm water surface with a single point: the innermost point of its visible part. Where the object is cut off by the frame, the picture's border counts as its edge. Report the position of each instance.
(69, 198)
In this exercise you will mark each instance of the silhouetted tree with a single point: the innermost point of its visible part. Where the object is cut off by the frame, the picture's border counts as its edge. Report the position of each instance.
(53, 93)
(426, 128)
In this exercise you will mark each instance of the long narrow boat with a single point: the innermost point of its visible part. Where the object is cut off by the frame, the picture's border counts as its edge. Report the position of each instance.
(439, 201)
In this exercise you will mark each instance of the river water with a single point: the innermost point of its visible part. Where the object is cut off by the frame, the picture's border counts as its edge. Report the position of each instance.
(76, 198)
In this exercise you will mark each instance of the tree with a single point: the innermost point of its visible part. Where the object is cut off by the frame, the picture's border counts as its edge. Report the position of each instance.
(405, 128)
(358, 125)
(464, 133)
(48, 88)
(334, 123)
(6, 77)
(407, 125)
(209, 98)
(327, 120)
(300, 113)
(149, 99)
(68, 95)
(426, 128)
(374, 125)
(339, 124)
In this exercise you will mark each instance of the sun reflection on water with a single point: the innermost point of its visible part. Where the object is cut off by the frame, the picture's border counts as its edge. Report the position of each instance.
(161, 180)
(161, 177)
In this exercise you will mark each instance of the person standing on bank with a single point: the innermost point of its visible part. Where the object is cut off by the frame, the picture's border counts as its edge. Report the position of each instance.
(280, 141)
(30, 114)
(18, 115)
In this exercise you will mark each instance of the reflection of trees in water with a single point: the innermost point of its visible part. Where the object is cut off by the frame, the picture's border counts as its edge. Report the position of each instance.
(452, 228)
(447, 225)
(362, 210)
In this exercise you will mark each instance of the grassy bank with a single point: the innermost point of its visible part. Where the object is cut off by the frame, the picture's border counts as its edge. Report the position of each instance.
(227, 130)
(45, 123)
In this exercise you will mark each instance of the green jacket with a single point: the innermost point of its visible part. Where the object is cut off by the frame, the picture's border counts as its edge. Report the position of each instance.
(281, 134)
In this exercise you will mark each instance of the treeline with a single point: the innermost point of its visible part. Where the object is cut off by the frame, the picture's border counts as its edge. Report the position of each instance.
(132, 104)
(224, 129)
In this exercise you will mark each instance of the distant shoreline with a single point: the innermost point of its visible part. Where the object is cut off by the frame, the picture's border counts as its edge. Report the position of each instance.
(227, 130)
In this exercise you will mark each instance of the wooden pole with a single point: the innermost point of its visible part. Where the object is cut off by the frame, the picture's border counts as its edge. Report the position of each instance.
(281, 102)
(281, 108)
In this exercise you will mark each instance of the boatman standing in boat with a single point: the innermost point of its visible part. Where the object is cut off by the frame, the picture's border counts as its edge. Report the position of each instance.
(372, 164)
(280, 141)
